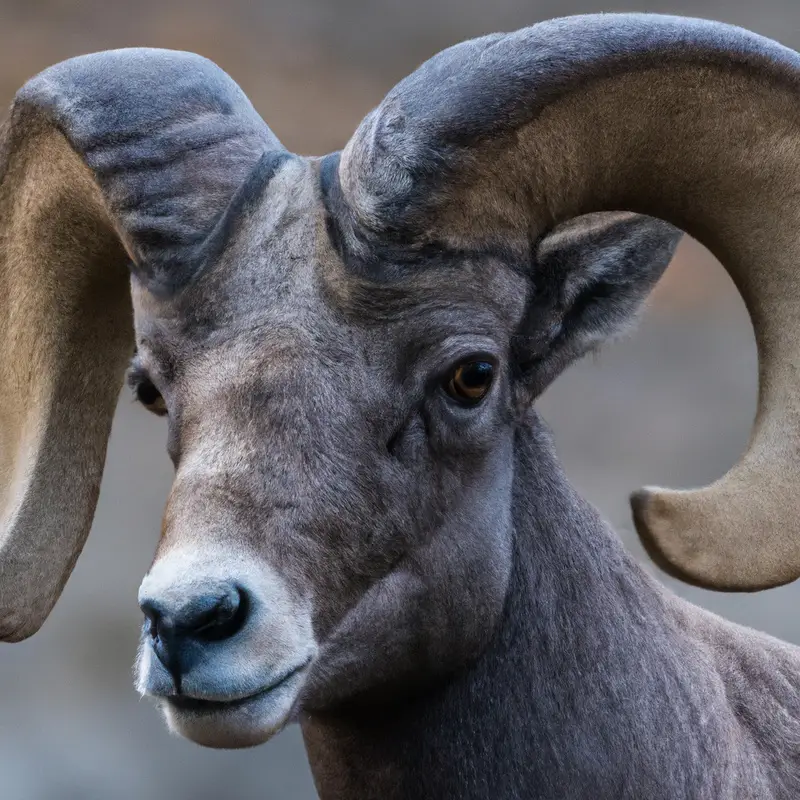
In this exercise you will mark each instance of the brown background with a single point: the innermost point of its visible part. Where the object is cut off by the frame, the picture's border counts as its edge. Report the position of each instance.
(670, 405)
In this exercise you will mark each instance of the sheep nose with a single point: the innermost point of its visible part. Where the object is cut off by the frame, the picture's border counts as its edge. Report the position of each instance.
(175, 625)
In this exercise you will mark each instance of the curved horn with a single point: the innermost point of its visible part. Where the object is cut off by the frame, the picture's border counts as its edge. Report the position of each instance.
(124, 158)
(698, 123)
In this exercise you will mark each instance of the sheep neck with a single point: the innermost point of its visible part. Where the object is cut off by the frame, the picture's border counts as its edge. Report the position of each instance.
(591, 684)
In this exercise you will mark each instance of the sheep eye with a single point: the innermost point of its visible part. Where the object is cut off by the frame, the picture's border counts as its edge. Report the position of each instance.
(470, 382)
(150, 397)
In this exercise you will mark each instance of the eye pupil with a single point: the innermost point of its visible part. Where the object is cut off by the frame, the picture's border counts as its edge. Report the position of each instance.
(470, 382)
(475, 376)
(147, 394)
(150, 397)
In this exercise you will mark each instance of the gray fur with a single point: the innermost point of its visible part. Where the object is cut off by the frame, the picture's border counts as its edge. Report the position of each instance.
(455, 620)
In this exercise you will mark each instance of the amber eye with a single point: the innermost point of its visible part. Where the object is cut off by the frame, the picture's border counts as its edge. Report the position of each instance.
(470, 382)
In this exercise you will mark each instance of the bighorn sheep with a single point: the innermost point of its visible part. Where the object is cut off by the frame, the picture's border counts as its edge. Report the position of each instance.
(368, 529)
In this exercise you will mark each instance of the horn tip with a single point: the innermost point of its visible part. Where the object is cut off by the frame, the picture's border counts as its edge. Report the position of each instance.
(651, 518)
(663, 534)
(682, 542)
(14, 629)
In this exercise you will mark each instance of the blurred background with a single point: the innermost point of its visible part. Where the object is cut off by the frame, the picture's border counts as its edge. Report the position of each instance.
(672, 404)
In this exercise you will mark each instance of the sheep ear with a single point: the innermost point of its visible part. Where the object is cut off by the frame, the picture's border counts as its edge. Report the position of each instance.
(590, 279)
(109, 161)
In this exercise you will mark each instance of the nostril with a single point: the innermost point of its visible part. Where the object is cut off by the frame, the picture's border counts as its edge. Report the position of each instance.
(178, 624)
(216, 617)
(153, 614)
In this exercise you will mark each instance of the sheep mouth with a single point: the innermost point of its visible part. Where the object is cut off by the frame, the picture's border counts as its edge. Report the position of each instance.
(201, 705)
(237, 722)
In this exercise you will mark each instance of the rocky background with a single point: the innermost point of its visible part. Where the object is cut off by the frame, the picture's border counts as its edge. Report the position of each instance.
(672, 404)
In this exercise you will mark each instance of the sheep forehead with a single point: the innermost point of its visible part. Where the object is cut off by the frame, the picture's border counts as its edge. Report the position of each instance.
(278, 296)
(263, 279)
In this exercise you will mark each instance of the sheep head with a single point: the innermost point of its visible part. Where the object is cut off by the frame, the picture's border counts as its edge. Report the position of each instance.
(346, 347)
